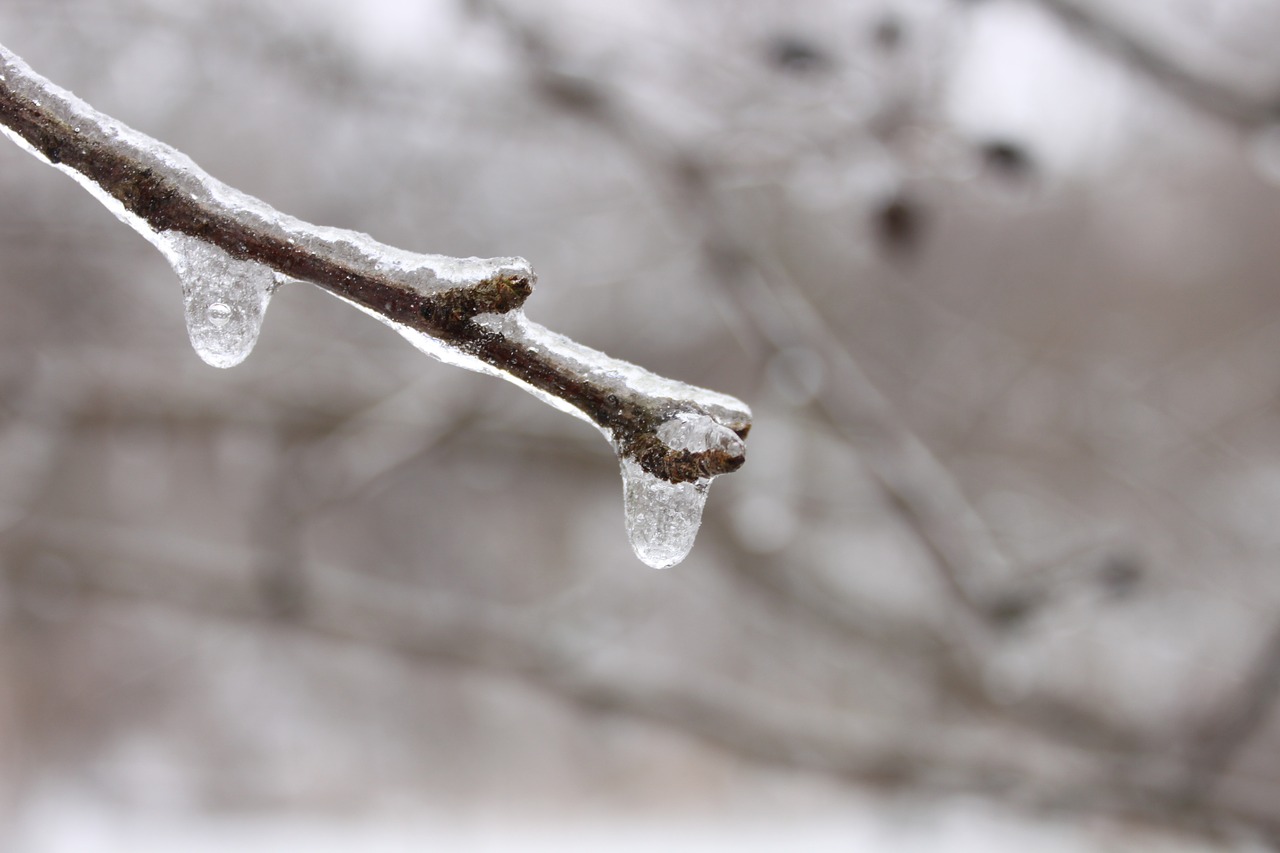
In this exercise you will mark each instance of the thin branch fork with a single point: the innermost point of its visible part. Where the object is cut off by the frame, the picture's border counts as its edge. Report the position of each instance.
(464, 304)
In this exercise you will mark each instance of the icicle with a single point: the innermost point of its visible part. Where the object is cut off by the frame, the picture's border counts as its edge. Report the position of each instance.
(224, 298)
(662, 517)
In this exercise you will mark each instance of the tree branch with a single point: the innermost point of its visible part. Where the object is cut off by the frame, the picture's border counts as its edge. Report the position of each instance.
(465, 311)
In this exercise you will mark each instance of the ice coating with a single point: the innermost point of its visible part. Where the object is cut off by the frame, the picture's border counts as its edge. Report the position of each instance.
(621, 376)
(224, 299)
(696, 432)
(422, 272)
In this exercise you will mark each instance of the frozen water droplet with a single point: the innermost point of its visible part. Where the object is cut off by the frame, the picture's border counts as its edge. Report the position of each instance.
(224, 298)
(662, 518)
(220, 313)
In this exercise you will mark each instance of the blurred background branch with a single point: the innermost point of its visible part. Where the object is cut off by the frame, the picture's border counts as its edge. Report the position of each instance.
(1205, 74)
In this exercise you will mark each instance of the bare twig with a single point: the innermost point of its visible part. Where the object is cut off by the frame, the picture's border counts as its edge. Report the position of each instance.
(467, 308)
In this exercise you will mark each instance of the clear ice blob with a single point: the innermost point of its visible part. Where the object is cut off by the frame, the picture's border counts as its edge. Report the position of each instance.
(224, 298)
(663, 517)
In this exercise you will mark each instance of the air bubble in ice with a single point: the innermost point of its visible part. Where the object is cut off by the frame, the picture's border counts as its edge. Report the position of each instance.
(224, 298)
(220, 313)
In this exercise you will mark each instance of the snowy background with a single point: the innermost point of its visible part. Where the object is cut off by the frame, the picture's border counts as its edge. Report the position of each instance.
(998, 279)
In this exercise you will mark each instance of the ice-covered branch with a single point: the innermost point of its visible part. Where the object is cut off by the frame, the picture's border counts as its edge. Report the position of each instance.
(231, 251)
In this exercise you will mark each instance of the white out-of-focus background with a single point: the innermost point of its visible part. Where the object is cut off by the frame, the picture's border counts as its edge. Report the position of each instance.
(998, 277)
